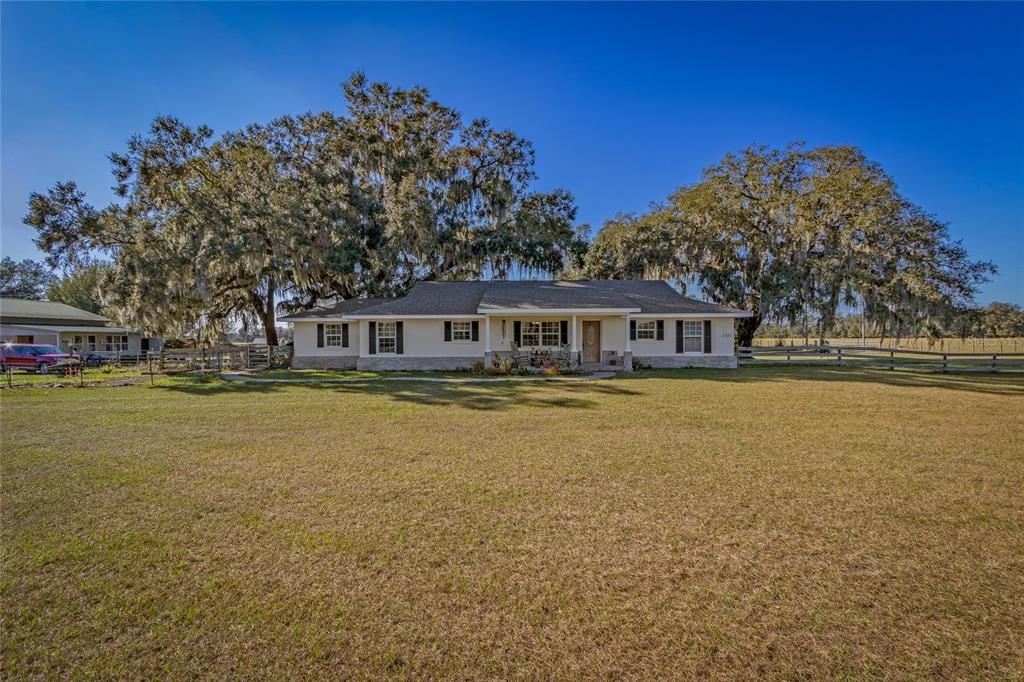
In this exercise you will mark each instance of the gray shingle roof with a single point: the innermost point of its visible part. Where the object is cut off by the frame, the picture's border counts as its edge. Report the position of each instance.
(470, 298)
(18, 310)
(351, 305)
(435, 298)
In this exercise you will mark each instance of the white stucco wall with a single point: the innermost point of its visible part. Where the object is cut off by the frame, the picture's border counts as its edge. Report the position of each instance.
(304, 337)
(722, 332)
(613, 335)
(425, 339)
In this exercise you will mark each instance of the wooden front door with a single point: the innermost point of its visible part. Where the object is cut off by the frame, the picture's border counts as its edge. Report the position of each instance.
(591, 341)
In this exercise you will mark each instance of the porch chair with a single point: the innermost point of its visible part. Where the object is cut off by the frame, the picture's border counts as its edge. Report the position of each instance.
(520, 357)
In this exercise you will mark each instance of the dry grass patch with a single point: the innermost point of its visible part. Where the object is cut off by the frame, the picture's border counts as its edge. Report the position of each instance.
(769, 522)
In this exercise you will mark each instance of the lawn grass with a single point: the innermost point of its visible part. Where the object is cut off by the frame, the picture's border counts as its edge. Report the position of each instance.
(769, 522)
(321, 374)
(93, 375)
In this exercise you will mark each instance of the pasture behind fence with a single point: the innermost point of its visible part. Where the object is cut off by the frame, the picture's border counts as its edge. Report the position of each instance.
(1009, 344)
(890, 358)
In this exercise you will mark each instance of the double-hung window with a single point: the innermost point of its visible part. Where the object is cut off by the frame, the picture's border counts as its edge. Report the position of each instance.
(693, 336)
(462, 331)
(646, 330)
(386, 337)
(332, 335)
(115, 344)
(538, 334)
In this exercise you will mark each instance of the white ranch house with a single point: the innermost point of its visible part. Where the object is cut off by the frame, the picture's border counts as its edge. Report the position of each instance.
(611, 324)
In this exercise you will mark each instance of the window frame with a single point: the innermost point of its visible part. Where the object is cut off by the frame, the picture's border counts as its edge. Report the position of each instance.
(645, 326)
(699, 335)
(544, 330)
(462, 331)
(392, 337)
(115, 343)
(332, 338)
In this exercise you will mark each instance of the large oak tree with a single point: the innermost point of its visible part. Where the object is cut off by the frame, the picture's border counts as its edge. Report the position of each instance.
(308, 208)
(794, 234)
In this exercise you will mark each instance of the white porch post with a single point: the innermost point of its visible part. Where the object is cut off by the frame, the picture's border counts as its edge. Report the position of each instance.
(627, 357)
(575, 352)
(488, 355)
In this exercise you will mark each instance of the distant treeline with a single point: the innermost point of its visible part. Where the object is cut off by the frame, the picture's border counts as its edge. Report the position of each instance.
(996, 320)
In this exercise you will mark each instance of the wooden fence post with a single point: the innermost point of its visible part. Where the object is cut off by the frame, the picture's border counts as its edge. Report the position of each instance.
(945, 363)
(994, 363)
(839, 356)
(892, 359)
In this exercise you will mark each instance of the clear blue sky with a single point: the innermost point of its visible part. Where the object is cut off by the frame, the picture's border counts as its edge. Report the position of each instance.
(623, 102)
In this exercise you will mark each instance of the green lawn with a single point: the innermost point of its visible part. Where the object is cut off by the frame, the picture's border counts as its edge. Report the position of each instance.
(766, 522)
(321, 374)
(93, 375)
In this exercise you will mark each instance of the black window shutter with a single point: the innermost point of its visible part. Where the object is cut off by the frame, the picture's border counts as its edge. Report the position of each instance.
(632, 330)
(344, 334)
(475, 330)
(660, 333)
(319, 336)
(399, 346)
(680, 347)
(373, 338)
(565, 332)
(517, 332)
(447, 330)
(707, 336)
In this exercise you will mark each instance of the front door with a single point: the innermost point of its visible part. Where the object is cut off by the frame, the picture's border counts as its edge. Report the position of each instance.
(591, 341)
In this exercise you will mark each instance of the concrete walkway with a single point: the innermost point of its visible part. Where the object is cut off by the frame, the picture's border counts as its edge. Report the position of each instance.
(434, 380)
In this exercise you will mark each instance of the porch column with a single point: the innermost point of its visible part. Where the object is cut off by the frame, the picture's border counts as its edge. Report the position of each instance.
(627, 357)
(575, 347)
(488, 355)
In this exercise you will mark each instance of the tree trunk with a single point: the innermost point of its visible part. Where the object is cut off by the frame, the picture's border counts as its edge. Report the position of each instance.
(265, 307)
(745, 328)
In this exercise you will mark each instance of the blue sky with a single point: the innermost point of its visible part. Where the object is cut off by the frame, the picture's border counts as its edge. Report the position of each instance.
(623, 102)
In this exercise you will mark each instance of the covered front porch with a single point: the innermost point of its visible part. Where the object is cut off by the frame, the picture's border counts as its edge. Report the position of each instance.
(591, 340)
